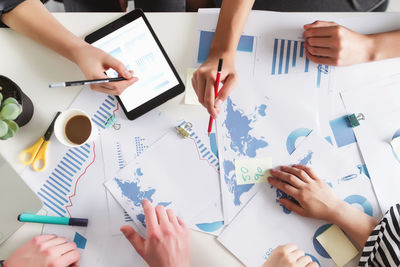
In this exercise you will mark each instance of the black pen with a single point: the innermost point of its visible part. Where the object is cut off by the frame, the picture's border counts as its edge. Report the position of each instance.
(85, 82)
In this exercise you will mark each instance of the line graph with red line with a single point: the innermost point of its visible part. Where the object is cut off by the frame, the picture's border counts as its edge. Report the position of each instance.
(204, 148)
(61, 185)
(77, 180)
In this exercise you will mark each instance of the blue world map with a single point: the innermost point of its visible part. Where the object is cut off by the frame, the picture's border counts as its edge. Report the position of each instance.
(133, 191)
(242, 143)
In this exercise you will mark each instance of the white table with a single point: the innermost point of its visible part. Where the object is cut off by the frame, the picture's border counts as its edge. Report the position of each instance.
(33, 66)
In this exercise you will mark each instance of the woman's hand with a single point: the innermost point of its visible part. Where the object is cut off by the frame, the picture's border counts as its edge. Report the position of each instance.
(316, 199)
(167, 242)
(204, 79)
(45, 251)
(94, 62)
(289, 256)
(331, 44)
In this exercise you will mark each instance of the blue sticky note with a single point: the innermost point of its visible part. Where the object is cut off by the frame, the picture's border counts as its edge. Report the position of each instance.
(80, 241)
(342, 131)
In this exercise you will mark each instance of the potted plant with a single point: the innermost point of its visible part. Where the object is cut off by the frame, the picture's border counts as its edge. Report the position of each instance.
(16, 109)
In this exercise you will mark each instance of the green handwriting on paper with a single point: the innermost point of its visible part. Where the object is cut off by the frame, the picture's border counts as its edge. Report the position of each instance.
(252, 171)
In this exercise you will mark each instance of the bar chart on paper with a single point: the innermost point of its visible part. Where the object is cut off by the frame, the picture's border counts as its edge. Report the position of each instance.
(246, 52)
(246, 44)
(289, 57)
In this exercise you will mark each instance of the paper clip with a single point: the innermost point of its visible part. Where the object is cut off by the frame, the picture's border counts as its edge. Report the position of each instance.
(184, 130)
(355, 119)
(112, 122)
(349, 177)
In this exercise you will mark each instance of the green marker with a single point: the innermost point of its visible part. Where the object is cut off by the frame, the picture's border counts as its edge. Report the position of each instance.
(33, 218)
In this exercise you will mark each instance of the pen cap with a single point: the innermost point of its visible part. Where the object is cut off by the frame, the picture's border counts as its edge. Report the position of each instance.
(78, 222)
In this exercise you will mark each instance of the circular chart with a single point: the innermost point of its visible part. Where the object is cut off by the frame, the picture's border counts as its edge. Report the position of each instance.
(317, 246)
(294, 136)
(314, 259)
(396, 134)
(210, 227)
(362, 201)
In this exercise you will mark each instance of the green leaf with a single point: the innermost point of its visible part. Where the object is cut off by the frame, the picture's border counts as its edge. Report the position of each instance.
(1, 97)
(3, 128)
(9, 134)
(10, 100)
(12, 125)
(10, 111)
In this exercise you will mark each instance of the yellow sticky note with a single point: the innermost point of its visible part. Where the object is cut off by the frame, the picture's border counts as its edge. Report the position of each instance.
(252, 171)
(396, 146)
(190, 94)
(337, 245)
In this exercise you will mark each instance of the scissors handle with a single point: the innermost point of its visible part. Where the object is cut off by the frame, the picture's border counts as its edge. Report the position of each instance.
(29, 155)
(41, 156)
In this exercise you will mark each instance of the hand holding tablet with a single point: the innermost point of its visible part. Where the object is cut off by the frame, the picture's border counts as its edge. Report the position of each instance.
(131, 40)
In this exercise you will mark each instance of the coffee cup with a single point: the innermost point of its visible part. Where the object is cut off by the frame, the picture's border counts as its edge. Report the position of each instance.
(74, 128)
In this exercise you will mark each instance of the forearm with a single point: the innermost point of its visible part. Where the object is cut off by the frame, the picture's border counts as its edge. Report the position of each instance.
(231, 21)
(355, 223)
(32, 19)
(385, 45)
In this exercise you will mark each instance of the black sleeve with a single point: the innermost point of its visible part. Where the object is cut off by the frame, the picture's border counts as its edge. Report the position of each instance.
(7, 6)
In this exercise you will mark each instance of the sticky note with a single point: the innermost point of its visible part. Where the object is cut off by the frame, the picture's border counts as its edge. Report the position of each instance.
(190, 94)
(252, 171)
(337, 245)
(396, 146)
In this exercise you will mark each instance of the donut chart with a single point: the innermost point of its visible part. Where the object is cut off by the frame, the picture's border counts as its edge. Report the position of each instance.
(317, 246)
(210, 227)
(362, 201)
(314, 259)
(293, 136)
(396, 134)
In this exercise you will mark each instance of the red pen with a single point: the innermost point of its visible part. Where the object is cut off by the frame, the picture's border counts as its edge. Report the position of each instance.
(216, 85)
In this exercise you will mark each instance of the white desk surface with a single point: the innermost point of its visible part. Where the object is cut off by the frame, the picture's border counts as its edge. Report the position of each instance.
(33, 66)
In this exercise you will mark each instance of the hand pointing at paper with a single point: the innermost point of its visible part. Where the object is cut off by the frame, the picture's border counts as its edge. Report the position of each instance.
(317, 200)
(167, 242)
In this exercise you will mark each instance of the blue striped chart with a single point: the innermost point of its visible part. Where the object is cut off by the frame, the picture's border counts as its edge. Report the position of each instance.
(121, 161)
(140, 145)
(146, 62)
(204, 150)
(289, 56)
(104, 112)
(59, 186)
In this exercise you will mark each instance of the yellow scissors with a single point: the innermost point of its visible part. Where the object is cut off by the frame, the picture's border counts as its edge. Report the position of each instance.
(37, 152)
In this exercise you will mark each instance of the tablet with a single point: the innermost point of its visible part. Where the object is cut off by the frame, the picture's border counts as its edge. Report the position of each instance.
(131, 40)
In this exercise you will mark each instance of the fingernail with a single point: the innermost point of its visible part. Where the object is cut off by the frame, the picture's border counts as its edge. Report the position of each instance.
(145, 202)
(122, 230)
(218, 103)
(127, 74)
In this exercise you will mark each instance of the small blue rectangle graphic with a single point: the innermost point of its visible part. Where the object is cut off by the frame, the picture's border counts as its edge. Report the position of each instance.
(342, 131)
(80, 241)
(246, 44)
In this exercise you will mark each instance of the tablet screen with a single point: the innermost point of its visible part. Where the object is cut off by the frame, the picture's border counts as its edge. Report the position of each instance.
(134, 45)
